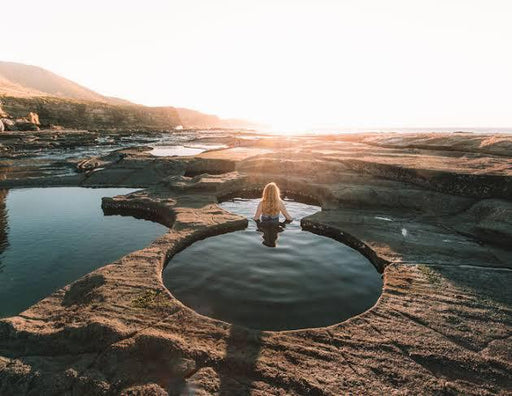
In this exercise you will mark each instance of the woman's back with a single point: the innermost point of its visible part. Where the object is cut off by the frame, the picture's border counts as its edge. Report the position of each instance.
(271, 204)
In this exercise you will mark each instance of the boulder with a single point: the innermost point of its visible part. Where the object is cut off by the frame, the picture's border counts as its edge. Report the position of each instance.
(28, 123)
(33, 118)
(9, 125)
(2, 128)
(23, 125)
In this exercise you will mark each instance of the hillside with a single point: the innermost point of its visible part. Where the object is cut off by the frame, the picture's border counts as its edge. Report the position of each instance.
(21, 80)
(59, 101)
(195, 119)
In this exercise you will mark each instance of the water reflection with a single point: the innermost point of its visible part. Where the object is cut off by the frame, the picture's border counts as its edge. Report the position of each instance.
(271, 230)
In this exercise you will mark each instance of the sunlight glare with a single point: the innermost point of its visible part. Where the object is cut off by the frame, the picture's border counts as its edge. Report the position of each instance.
(291, 64)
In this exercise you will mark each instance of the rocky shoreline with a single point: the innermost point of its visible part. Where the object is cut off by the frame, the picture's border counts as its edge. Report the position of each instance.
(432, 212)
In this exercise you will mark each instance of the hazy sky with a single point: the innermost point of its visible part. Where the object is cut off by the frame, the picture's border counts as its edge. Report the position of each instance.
(364, 63)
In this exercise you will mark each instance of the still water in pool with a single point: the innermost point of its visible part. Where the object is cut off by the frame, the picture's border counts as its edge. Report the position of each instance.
(273, 279)
(50, 237)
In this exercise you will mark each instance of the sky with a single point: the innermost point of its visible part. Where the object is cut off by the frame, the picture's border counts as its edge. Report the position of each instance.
(288, 63)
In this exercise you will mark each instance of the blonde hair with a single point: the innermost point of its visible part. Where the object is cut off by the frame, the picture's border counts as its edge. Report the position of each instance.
(270, 200)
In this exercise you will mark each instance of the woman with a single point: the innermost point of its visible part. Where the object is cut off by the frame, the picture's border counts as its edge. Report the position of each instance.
(271, 205)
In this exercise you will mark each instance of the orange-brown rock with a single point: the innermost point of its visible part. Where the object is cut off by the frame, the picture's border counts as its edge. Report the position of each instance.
(434, 220)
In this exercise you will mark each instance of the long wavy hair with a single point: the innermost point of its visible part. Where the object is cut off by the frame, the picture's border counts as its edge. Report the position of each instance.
(270, 199)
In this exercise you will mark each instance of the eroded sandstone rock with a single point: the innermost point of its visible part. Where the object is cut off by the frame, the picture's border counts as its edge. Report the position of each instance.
(443, 324)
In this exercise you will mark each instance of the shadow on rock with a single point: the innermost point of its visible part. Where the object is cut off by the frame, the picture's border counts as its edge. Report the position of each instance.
(242, 352)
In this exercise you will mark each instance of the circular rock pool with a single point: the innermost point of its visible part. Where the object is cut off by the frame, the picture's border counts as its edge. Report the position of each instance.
(275, 278)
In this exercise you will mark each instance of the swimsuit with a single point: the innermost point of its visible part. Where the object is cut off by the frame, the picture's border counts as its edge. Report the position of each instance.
(269, 218)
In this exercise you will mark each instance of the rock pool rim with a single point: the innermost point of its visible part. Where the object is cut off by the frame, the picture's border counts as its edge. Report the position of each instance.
(264, 326)
(165, 214)
(313, 227)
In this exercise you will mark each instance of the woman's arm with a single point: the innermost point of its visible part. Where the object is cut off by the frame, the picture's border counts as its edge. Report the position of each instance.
(257, 215)
(285, 212)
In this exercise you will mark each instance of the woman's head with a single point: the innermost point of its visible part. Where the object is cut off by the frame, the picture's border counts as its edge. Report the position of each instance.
(270, 199)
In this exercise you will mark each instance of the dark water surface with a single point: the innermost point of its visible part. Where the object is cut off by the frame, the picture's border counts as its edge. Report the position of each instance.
(50, 237)
(306, 280)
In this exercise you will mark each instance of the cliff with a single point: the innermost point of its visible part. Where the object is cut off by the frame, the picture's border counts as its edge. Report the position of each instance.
(83, 114)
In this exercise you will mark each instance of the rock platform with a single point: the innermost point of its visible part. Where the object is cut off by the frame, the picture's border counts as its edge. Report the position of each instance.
(432, 212)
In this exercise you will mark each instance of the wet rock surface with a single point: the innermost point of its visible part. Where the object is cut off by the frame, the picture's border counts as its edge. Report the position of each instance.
(430, 211)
